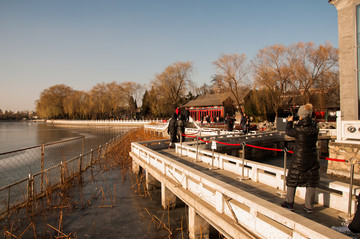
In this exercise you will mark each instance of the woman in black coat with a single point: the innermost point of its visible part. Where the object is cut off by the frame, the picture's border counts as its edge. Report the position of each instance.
(304, 170)
(172, 127)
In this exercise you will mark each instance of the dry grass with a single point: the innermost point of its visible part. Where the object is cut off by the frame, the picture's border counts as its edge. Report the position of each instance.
(57, 203)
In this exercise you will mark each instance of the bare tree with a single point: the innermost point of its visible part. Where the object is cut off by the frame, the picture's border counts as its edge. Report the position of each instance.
(310, 64)
(134, 90)
(272, 73)
(171, 85)
(232, 72)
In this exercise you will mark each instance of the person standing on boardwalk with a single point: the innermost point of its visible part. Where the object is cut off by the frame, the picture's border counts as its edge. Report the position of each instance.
(172, 130)
(304, 169)
(187, 114)
(180, 124)
(229, 122)
(244, 122)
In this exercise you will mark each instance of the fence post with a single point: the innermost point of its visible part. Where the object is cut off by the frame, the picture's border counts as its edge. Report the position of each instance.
(180, 143)
(30, 189)
(42, 166)
(8, 204)
(80, 163)
(99, 153)
(106, 146)
(83, 146)
(197, 146)
(212, 153)
(91, 156)
(282, 193)
(61, 173)
(353, 162)
(243, 163)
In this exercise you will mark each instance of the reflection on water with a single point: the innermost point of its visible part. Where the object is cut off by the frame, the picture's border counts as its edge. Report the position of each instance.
(16, 135)
(19, 135)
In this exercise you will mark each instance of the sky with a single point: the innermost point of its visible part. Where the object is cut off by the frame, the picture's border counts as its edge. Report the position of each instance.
(81, 43)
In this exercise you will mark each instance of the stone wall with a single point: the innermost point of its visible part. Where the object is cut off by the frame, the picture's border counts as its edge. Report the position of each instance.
(344, 151)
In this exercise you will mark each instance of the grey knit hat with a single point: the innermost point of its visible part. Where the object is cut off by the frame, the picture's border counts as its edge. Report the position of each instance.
(305, 111)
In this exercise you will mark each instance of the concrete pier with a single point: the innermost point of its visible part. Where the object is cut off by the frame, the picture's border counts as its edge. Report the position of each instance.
(198, 227)
(168, 198)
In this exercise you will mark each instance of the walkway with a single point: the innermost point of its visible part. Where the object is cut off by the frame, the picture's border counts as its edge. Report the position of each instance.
(323, 215)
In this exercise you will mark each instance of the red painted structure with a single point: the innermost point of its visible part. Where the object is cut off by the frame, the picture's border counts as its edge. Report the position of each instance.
(213, 105)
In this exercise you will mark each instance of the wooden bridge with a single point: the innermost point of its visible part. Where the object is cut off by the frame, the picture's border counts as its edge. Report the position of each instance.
(238, 197)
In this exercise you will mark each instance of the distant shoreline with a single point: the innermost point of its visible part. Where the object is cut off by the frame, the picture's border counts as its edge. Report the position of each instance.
(103, 122)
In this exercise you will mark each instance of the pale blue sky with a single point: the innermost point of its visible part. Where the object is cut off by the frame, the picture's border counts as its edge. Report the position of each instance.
(80, 43)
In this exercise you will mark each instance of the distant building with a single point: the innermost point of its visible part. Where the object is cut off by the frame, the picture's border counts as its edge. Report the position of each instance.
(214, 105)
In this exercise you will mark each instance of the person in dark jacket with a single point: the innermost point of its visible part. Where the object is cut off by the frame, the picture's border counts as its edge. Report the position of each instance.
(230, 122)
(304, 170)
(187, 114)
(180, 124)
(172, 127)
(244, 123)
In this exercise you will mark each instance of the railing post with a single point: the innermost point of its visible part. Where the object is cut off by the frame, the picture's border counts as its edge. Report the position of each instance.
(91, 156)
(353, 162)
(42, 166)
(106, 146)
(30, 188)
(282, 192)
(99, 153)
(243, 163)
(8, 203)
(212, 153)
(61, 173)
(197, 146)
(180, 144)
(83, 146)
(80, 163)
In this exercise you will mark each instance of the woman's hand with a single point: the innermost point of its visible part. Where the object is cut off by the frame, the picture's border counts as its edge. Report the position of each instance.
(290, 118)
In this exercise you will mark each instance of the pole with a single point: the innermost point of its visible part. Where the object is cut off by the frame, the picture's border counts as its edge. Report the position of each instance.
(212, 158)
(181, 143)
(197, 146)
(243, 163)
(91, 156)
(353, 161)
(285, 163)
(83, 146)
(42, 166)
(282, 192)
(61, 173)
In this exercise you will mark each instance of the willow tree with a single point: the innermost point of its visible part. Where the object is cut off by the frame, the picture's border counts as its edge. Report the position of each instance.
(171, 86)
(232, 75)
(271, 75)
(51, 102)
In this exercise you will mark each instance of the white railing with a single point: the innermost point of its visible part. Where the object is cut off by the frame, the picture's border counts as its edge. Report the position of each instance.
(259, 216)
(272, 176)
(106, 122)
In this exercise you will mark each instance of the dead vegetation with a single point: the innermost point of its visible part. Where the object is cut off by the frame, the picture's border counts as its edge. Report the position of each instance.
(94, 197)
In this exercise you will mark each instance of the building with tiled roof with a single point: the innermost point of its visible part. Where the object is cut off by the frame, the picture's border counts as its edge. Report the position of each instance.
(214, 105)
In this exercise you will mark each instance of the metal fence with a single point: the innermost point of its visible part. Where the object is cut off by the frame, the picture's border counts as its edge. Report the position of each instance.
(31, 171)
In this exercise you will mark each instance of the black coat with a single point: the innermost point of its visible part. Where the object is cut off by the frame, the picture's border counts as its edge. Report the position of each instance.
(304, 170)
(172, 126)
